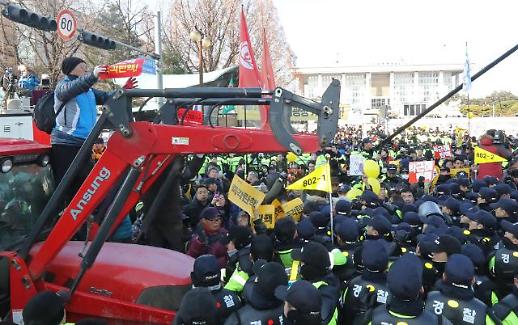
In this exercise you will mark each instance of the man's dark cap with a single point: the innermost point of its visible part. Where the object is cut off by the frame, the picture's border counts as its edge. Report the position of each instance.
(209, 213)
(241, 236)
(462, 181)
(451, 204)
(458, 233)
(366, 140)
(198, 307)
(305, 229)
(412, 218)
(68, 64)
(509, 205)
(443, 189)
(484, 218)
(510, 227)
(409, 207)
(370, 198)
(488, 194)
(343, 188)
(348, 230)
(477, 185)
(392, 168)
(302, 295)
(454, 189)
(405, 277)
(269, 276)
(490, 180)
(343, 207)
(318, 219)
(208, 181)
(46, 307)
(459, 270)
(475, 254)
(206, 271)
(314, 254)
(446, 243)
(374, 256)
(502, 188)
(284, 229)
(262, 247)
(380, 223)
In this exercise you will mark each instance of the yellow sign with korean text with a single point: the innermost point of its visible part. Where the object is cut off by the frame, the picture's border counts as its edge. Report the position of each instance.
(293, 209)
(319, 179)
(279, 212)
(267, 215)
(245, 195)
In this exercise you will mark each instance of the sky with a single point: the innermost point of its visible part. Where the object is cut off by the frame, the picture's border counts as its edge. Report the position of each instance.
(365, 32)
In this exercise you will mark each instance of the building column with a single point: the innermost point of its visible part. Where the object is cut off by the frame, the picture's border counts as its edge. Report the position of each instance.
(319, 83)
(416, 87)
(393, 107)
(368, 86)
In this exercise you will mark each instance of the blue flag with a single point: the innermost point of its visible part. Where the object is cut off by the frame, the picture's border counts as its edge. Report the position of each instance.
(467, 74)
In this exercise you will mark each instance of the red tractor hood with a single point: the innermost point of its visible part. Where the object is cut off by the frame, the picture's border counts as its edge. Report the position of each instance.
(121, 271)
(9, 147)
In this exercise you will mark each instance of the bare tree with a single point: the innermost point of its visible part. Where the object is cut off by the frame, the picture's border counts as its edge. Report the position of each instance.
(219, 21)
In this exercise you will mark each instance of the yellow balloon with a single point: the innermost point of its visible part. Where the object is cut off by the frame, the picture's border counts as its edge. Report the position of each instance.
(371, 169)
(291, 157)
(375, 185)
(353, 194)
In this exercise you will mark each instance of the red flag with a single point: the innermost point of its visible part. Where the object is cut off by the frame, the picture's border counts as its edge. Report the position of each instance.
(248, 72)
(267, 72)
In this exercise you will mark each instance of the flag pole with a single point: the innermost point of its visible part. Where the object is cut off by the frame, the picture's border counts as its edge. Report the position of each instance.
(331, 218)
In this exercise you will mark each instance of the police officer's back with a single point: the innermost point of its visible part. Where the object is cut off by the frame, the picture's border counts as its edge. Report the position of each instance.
(404, 281)
(315, 267)
(455, 298)
(503, 263)
(262, 307)
(302, 303)
(506, 310)
(206, 273)
(370, 288)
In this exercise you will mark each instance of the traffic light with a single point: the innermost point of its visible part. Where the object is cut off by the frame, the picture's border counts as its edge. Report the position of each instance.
(97, 41)
(26, 17)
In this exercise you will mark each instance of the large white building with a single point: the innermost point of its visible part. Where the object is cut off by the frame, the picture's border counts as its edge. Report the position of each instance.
(405, 90)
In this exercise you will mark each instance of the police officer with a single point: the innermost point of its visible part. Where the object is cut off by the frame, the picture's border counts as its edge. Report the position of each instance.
(262, 306)
(483, 286)
(506, 310)
(506, 209)
(198, 307)
(455, 298)
(482, 227)
(206, 273)
(314, 264)
(46, 307)
(450, 207)
(486, 196)
(392, 180)
(406, 306)
(370, 288)
(237, 241)
(302, 303)
(261, 248)
(348, 242)
(503, 263)
(286, 240)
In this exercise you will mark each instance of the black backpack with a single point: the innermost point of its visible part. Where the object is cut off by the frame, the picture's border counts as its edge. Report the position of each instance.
(44, 116)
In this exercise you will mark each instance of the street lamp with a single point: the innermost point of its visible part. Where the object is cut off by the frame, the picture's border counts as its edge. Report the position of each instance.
(202, 42)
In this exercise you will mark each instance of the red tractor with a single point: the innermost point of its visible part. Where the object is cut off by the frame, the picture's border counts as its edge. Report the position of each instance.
(126, 283)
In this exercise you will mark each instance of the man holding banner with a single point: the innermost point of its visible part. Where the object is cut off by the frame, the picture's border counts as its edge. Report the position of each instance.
(489, 157)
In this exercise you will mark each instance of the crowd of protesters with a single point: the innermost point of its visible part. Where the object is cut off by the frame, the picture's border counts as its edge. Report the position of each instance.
(420, 252)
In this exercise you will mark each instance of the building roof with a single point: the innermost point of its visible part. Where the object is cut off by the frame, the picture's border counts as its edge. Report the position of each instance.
(454, 67)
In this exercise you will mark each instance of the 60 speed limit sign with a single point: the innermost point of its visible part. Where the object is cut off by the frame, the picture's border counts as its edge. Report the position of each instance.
(67, 24)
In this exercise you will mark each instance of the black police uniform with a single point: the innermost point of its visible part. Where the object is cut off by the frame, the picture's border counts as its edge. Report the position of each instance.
(506, 306)
(227, 302)
(503, 264)
(468, 310)
(382, 316)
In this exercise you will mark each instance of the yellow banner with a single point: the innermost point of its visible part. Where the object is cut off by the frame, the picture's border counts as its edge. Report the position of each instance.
(483, 157)
(319, 179)
(279, 212)
(455, 171)
(267, 214)
(293, 209)
(245, 195)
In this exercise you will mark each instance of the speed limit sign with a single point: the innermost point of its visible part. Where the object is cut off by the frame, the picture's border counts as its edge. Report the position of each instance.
(67, 24)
